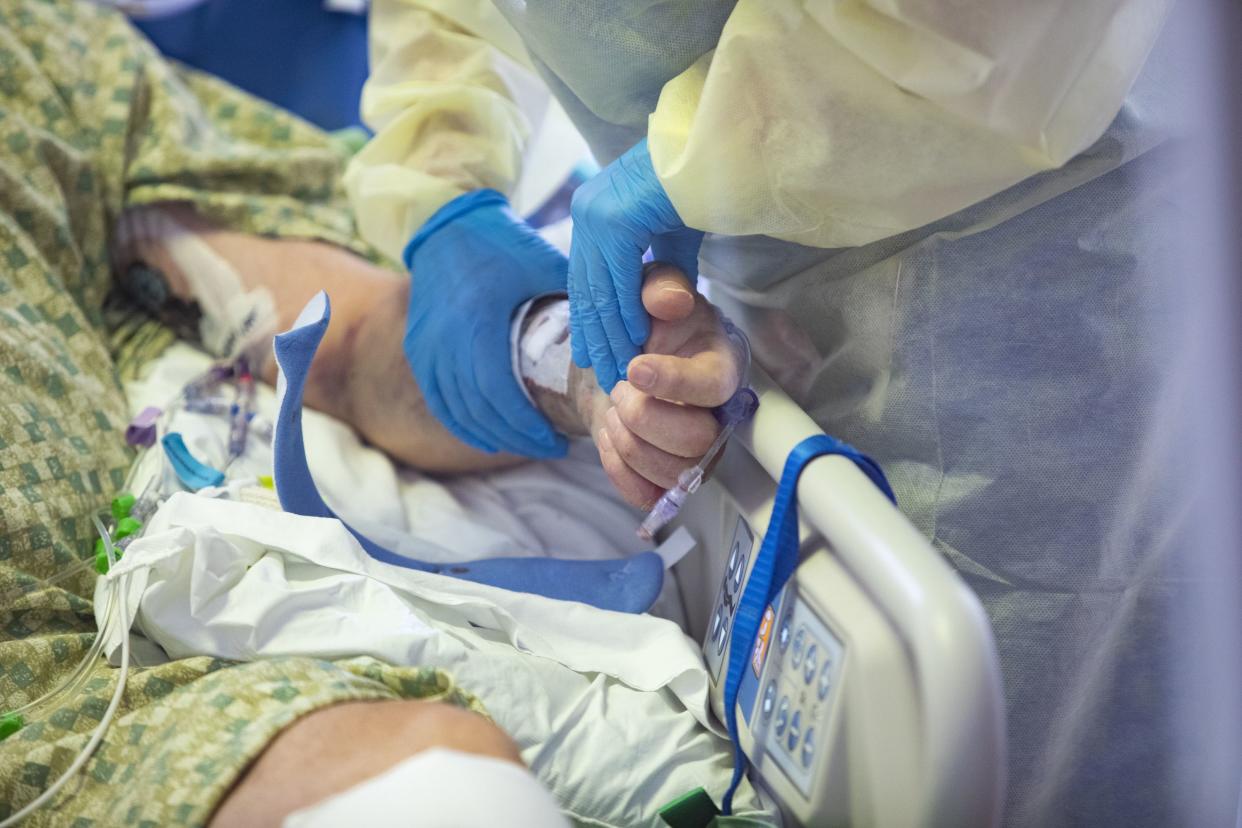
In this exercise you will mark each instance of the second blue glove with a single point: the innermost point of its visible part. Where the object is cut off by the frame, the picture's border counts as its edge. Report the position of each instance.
(617, 215)
(471, 265)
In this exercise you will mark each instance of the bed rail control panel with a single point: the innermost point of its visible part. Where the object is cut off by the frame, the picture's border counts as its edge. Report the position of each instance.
(796, 693)
(871, 693)
(786, 695)
(741, 545)
(791, 715)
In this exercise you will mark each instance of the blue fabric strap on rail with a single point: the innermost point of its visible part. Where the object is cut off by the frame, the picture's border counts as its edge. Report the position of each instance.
(776, 561)
(625, 585)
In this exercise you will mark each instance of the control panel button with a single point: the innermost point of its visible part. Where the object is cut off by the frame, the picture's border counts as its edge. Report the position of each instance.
(769, 699)
(718, 624)
(806, 675)
(720, 643)
(782, 716)
(785, 634)
(737, 578)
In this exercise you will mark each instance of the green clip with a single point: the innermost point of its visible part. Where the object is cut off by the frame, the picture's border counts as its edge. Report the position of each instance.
(101, 563)
(122, 505)
(125, 527)
(692, 810)
(10, 723)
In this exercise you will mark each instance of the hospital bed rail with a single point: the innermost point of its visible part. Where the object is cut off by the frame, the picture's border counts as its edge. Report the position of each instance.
(875, 641)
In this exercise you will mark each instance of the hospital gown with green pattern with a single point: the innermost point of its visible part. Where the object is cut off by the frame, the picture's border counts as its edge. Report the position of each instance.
(93, 122)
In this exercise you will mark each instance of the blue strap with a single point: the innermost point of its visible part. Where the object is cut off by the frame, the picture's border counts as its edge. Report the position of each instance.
(776, 561)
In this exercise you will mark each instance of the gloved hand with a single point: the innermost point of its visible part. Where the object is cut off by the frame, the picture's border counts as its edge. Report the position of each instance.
(661, 421)
(471, 265)
(617, 215)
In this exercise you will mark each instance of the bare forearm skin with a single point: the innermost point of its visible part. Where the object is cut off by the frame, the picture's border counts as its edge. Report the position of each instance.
(360, 374)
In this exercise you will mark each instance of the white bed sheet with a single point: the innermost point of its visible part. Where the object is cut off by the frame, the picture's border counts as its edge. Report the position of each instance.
(563, 508)
(610, 710)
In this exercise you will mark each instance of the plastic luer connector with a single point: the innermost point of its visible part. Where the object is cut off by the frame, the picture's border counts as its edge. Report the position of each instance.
(736, 410)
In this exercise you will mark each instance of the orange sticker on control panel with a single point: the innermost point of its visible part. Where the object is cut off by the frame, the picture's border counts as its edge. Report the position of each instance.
(761, 641)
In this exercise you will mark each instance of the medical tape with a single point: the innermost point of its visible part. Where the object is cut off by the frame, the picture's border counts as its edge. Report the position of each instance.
(233, 319)
(676, 546)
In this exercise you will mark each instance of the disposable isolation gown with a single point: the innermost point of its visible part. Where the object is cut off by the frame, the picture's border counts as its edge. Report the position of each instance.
(988, 318)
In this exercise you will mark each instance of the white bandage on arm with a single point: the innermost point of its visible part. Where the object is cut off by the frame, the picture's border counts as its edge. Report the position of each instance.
(439, 788)
(539, 345)
(233, 319)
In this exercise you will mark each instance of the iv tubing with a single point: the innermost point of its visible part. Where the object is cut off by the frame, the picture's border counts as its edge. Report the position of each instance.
(96, 737)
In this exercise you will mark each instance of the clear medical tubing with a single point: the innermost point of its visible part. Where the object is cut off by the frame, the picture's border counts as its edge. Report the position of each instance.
(194, 397)
(193, 391)
(75, 679)
(114, 603)
(241, 410)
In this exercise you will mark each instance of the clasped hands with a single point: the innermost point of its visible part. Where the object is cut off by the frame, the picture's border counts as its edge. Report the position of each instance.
(473, 264)
(659, 420)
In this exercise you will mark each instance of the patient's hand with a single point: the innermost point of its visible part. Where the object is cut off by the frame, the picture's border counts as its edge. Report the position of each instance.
(660, 421)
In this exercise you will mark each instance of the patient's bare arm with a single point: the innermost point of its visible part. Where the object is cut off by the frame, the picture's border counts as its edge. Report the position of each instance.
(360, 375)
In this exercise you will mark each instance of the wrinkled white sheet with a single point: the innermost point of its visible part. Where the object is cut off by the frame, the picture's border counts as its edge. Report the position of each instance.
(566, 508)
(610, 710)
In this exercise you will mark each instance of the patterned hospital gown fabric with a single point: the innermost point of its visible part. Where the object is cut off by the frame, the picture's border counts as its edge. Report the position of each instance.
(92, 121)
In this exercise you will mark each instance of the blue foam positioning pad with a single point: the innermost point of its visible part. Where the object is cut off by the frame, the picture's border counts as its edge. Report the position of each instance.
(623, 585)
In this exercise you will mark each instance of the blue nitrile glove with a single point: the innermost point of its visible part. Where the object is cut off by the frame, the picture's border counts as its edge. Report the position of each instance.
(471, 265)
(617, 215)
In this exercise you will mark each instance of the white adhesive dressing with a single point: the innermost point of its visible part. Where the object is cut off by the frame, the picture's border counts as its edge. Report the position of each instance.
(541, 354)
(233, 319)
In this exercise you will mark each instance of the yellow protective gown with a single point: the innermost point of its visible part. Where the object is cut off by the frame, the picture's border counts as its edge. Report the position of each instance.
(873, 117)
(949, 228)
